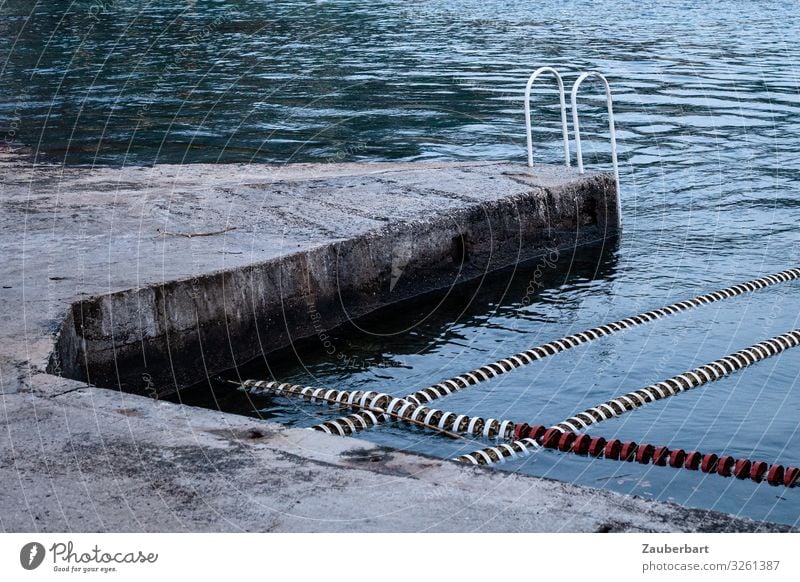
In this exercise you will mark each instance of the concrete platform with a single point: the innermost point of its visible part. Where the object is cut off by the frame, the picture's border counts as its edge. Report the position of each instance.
(144, 272)
(143, 280)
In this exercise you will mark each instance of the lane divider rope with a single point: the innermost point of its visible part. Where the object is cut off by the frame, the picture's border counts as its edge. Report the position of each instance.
(536, 437)
(670, 387)
(489, 371)
(377, 405)
(688, 380)
(528, 438)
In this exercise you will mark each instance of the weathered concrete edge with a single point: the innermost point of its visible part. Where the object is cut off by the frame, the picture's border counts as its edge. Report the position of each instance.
(161, 331)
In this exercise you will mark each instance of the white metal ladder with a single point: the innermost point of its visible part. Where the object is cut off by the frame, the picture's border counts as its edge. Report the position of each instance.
(575, 122)
(564, 128)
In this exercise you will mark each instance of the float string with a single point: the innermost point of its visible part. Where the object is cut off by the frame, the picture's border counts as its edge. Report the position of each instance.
(659, 391)
(489, 371)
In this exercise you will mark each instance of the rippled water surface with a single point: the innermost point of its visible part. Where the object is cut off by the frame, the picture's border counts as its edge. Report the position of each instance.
(708, 112)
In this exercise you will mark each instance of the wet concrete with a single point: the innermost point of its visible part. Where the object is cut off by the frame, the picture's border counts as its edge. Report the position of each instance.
(146, 279)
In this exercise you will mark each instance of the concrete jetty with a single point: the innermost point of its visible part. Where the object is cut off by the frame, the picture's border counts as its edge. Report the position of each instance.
(149, 270)
(121, 284)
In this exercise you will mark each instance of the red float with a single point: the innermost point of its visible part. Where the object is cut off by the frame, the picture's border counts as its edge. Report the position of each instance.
(596, 446)
(660, 456)
(537, 431)
(725, 465)
(613, 449)
(741, 469)
(566, 440)
(775, 475)
(521, 431)
(644, 454)
(550, 438)
(677, 458)
(628, 452)
(709, 463)
(581, 444)
(693, 460)
(757, 471)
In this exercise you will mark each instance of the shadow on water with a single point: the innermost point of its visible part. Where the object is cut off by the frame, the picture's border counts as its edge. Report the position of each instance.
(419, 326)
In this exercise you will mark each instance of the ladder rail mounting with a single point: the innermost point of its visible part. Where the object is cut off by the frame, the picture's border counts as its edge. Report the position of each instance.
(562, 99)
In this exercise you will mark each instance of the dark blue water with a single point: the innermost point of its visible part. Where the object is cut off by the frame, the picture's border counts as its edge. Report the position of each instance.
(708, 110)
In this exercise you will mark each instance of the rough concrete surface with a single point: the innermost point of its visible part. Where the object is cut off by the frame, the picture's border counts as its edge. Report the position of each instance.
(107, 263)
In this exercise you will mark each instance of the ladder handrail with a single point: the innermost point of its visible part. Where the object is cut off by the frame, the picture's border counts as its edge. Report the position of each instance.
(611, 128)
(529, 129)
